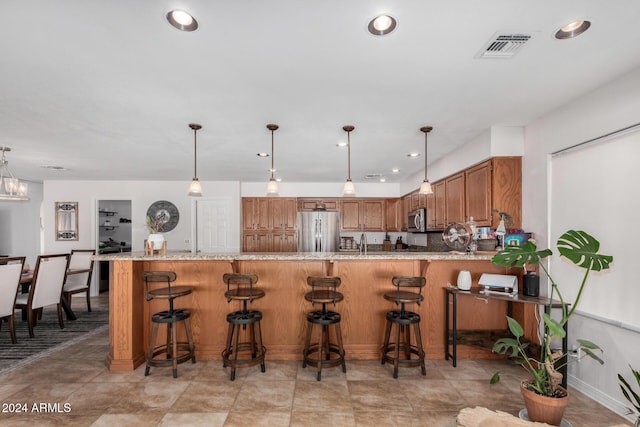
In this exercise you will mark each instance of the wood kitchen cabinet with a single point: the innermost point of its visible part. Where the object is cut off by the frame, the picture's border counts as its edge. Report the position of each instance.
(439, 200)
(283, 242)
(362, 215)
(269, 224)
(256, 241)
(306, 205)
(418, 201)
(430, 201)
(283, 213)
(394, 215)
(478, 194)
(454, 199)
(475, 192)
(256, 213)
(406, 208)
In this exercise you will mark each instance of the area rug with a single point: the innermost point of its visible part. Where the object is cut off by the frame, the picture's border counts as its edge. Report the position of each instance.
(48, 336)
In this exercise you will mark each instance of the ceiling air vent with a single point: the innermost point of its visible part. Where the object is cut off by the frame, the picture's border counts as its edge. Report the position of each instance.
(373, 176)
(503, 45)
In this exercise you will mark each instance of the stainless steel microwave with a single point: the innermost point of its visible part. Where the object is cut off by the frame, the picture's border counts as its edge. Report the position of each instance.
(417, 221)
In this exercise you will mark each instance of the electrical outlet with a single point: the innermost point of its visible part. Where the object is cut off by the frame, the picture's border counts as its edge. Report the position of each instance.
(187, 240)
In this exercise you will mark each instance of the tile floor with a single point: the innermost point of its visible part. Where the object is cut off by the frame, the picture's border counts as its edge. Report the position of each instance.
(285, 395)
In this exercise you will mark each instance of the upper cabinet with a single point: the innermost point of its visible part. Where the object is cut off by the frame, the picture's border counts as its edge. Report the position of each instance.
(394, 220)
(478, 194)
(506, 189)
(362, 215)
(454, 198)
(256, 214)
(474, 192)
(283, 213)
(305, 205)
(439, 221)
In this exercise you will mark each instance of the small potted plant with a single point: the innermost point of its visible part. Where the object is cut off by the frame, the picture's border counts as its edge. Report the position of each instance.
(631, 395)
(543, 384)
(155, 227)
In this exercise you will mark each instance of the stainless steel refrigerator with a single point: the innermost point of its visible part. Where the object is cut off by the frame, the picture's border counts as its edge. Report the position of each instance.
(318, 231)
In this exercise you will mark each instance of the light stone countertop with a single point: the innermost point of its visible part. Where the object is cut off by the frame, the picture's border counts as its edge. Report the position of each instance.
(294, 256)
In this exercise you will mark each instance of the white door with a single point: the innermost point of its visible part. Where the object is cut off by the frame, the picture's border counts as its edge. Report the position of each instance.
(216, 226)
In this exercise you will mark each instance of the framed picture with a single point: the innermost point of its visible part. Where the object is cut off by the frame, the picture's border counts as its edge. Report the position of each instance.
(66, 220)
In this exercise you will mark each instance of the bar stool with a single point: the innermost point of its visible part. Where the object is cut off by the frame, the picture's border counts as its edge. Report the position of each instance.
(240, 288)
(176, 351)
(403, 319)
(324, 352)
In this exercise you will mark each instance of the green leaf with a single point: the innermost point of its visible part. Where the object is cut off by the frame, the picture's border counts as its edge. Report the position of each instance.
(506, 345)
(515, 327)
(630, 392)
(495, 378)
(554, 326)
(582, 249)
(588, 344)
(518, 256)
(592, 355)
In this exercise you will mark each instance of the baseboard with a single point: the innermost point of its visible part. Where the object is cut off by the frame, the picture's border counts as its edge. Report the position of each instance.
(605, 400)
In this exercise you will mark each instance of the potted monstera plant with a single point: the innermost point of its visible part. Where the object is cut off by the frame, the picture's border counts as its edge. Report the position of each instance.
(545, 399)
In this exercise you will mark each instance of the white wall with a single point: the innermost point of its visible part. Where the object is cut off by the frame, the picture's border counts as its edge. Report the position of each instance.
(20, 226)
(610, 108)
(142, 194)
(315, 189)
(496, 141)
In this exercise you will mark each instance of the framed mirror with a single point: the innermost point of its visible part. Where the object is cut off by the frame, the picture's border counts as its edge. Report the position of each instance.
(66, 220)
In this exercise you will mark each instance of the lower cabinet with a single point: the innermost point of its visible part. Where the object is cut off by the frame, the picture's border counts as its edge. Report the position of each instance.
(269, 241)
(284, 242)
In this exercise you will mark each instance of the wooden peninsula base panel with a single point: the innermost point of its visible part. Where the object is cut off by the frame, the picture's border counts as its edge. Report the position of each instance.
(365, 278)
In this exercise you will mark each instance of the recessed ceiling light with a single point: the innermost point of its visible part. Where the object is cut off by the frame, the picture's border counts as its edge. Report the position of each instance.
(381, 25)
(341, 144)
(263, 154)
(383, 179)
(572, 30)
(182, 20)
(396, 170)
(413, 155)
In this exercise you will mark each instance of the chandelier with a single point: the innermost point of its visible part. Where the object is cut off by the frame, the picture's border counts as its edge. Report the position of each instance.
(11, 188)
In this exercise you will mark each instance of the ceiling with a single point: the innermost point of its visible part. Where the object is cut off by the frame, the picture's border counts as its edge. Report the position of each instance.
(106, 89)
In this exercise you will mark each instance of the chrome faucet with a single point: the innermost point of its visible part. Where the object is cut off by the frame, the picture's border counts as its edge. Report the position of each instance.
(363, 243)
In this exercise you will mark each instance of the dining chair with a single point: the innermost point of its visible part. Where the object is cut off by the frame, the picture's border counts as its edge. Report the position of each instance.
(46, 288)
(10, 271)
(79, 275)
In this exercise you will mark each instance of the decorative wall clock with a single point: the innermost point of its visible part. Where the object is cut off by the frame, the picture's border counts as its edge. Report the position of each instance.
(164, 212)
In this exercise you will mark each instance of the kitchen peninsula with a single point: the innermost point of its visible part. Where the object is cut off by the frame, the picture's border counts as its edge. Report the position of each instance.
(283, 277)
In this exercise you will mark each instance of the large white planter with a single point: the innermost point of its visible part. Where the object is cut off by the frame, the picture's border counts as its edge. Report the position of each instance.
(157, 239)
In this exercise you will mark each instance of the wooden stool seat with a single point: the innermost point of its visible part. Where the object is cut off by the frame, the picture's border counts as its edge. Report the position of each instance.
(403, 320)
(238, 354)
(176, 351)
(324, 352)
(173, 292)
(244, 294)
(403, 297)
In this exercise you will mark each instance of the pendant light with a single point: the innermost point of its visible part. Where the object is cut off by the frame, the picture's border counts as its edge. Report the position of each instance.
(11, 188)
(272, 187)
(349, 189)
(425, 188)
(195, 189)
